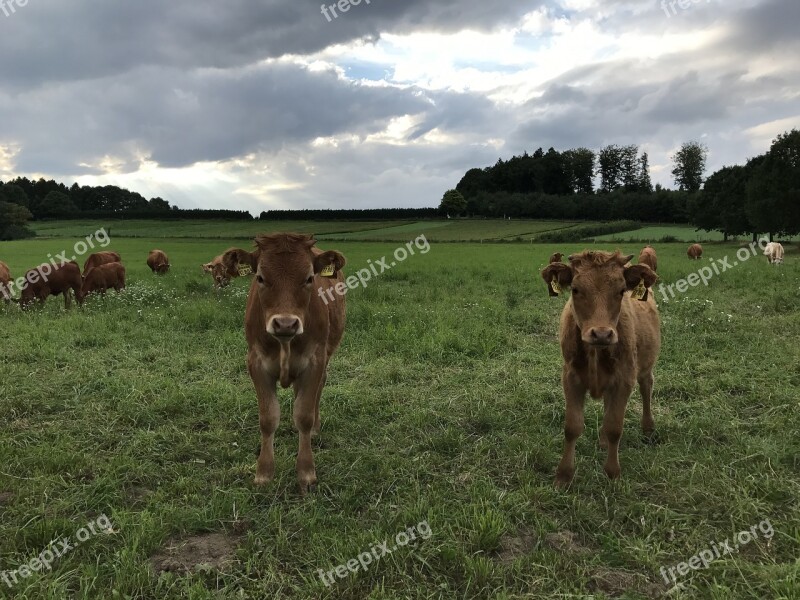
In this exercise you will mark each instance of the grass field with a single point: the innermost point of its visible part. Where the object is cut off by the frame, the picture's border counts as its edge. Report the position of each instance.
(682, 233)
(443, 405)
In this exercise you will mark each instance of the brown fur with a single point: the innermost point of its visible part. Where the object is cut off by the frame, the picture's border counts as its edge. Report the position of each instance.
(100, 258)
(284, 299)
(45, 281)
(695, 251)
(556, 258)
(103, 278)
(158, 262)
(221, 273)
(648, 257)
(5, 282)
(609, 341)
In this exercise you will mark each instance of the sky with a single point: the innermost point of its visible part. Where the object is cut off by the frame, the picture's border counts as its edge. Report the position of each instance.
(277, 104)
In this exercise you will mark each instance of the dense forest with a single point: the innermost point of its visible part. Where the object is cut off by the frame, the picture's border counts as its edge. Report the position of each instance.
(760, 196)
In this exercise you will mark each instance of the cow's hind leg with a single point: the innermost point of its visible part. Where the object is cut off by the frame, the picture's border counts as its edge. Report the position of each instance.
(269, 413)
(307, 389)
(646, 389)
(613, 418)
(574, 395)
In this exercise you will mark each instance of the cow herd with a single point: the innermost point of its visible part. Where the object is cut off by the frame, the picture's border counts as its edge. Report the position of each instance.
(610, 331)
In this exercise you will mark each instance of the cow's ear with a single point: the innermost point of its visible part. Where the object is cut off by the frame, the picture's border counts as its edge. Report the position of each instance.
(236, 256)
(329, 263)
(637, 274)
(557, 276)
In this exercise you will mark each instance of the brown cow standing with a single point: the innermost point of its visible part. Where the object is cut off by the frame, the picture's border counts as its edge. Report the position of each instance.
(221, 273)
(103, 278)
(100, 258)
(695, 251)
(5, 282)
(609, 341)
(648, 257)
(291, 334)
(158, 262)
(556, 258)
(48, 280)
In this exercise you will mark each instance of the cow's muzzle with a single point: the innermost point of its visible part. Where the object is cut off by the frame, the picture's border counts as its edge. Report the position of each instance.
(601, 336)
(284, 327)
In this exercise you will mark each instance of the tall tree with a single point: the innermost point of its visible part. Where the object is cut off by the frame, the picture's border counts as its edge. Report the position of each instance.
(689, 164)
(581, 170)
(630, 167)
(453, 203)
(773, 192)
(644, 183)
(610, 168)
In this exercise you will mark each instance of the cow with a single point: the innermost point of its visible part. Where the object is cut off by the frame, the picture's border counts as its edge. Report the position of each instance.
(103, 278)
(51, 280)
(158, 262)
(222, 274)
(695, 251)
(291, 335)
(610, 340)
(648, 257)
(556, 258)
(5, 282)
(100, 258)
(774, 253)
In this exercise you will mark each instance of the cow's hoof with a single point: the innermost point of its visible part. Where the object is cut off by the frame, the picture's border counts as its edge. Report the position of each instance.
(307, 487)
(564, 479)
(262, 480)
(650, 437)
(613, 471)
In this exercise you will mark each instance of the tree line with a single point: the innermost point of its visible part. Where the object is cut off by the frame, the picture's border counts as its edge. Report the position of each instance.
(22, 200)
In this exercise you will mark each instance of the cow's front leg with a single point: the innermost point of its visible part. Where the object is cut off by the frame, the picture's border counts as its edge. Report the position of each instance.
(575, 395)
(615, 402)
(269, 413)
(307, 389)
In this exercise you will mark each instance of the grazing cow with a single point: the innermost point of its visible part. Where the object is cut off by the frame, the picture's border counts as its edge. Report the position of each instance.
(556, 258)
(609, 341)
(100, 258)
(291, 334)
(158, 262)
(695, 251)
(221, 273)
(102, 278)
(5, 282)
(774, 253)
(48, 280)
(648, 257)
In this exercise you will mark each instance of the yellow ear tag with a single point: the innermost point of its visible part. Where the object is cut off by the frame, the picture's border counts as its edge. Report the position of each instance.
(555, 286)
(639, 291)
(245, 270)
(328, 271)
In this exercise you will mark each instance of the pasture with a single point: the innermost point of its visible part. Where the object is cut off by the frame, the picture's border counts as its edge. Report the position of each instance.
(443, 405)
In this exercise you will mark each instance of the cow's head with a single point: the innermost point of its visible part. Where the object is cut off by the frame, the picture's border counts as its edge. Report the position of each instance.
(162, 269)
(599, 282)
(285, 268)
(207, 267)
(556, 257)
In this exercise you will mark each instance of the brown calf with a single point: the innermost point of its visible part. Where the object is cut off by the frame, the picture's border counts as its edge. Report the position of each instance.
(291, 334)
(221, 273)
(48, 280)
(695, 251)
(158, 262)
(5, 282)
(99, 258)
(556, 258)
(648, 257)
(102, 278)
(609, 341)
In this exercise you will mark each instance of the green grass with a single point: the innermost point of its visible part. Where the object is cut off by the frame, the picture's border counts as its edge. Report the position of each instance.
(443, 404)
(682, 233)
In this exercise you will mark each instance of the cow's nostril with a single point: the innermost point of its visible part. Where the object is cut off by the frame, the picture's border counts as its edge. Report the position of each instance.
(286, 325)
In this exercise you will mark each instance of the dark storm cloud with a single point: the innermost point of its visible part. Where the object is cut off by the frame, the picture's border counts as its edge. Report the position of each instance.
(54, 40)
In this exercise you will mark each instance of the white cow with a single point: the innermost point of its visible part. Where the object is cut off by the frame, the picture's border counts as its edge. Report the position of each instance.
(774, 253)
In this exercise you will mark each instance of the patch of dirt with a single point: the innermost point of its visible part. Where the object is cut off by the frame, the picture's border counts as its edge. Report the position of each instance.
(208, 550)
(514, 546)
(5, 497)
(566, 542)
(615, 583)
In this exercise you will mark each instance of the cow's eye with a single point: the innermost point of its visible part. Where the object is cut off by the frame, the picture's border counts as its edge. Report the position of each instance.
(310, 280)
(575, 291)
(260, 279)
(622, 293)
